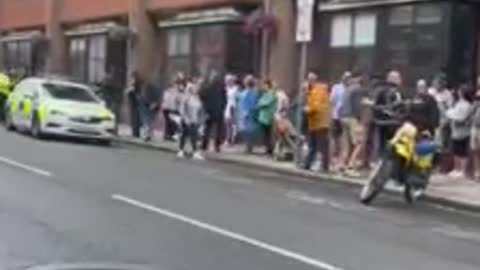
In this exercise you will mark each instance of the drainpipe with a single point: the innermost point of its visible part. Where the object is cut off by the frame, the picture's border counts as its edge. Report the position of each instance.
(267, 5)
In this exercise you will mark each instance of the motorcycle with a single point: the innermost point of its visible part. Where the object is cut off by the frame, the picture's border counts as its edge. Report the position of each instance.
(408, 161)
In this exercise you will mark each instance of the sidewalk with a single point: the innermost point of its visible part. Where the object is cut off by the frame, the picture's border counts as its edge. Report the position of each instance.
(464, 194)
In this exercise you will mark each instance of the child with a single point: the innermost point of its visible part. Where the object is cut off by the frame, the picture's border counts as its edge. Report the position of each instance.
(191, 112)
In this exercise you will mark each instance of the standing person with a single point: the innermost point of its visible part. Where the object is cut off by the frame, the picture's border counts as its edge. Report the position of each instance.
(191, 113)
(247, 103)
(266, 108)
(336, 98)
(388, 97)
(232, 89)
(375, 85)
(214, 101)
(133, 91)
(170, 107)
(150, 105)
(425, 115)
(475, 134)
(317, 110)
(112, 92)
(460, 116)
(353, 131)
(444, 99)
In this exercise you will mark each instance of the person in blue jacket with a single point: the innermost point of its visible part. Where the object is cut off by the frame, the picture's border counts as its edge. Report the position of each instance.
(247, 105)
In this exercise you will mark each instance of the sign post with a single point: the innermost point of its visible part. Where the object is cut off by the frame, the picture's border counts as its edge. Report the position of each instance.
(303, 36)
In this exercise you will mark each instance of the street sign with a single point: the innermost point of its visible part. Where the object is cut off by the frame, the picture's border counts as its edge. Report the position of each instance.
(304, 20)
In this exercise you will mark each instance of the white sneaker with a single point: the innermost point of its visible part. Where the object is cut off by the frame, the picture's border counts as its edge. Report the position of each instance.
(198, 156)
(181, 154)
(455, 174)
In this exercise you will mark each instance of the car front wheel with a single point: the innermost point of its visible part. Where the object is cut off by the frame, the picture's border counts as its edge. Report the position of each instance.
(8, 120)
(36, 127)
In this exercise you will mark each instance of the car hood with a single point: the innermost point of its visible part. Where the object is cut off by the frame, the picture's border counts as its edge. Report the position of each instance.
(79, 108)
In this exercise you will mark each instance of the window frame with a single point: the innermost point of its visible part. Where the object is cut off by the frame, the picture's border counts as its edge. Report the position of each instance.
(89, 56)
(352, 29)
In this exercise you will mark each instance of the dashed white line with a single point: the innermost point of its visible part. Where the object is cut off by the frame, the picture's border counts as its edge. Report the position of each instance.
(236, 236)
(25, 167)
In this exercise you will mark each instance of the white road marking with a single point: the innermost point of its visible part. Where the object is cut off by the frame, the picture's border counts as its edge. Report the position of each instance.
(236, 236)
(25, 167)
(301, 196)
(456, 232)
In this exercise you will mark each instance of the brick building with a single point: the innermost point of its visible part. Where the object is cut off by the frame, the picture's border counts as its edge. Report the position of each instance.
(87, 38)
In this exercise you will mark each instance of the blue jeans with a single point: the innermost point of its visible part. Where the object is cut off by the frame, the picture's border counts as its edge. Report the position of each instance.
(147, 116)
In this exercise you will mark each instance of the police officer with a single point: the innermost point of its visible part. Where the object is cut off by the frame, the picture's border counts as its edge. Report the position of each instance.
(5, 90)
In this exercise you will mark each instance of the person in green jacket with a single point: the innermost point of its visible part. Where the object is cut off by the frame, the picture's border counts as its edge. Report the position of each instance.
(266, 108)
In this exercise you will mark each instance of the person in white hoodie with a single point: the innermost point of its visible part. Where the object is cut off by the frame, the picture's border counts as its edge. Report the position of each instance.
(460, 117)
(191, 113)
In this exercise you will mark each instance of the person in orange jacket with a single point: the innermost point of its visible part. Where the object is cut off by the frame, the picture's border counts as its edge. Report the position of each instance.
(317, 111)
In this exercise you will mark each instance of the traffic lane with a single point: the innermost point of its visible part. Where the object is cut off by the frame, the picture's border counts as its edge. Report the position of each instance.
(45, 223)
(88, 165)
(207, 192)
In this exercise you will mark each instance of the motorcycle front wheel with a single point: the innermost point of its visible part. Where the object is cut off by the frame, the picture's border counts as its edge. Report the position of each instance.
(379, 177)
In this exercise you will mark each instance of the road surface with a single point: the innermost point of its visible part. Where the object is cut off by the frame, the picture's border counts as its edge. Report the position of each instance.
(67, 202)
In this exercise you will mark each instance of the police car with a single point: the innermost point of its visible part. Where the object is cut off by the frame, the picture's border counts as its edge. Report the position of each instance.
(45, 106)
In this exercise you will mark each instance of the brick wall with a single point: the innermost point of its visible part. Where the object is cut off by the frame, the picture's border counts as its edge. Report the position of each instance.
(22, 14)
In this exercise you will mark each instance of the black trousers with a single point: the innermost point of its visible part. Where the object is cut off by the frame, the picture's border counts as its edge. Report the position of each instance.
(189, 132)
(135, 121)
(217, 125)
(385, 133)
(267, 137)
(318, 140)
(170, 125)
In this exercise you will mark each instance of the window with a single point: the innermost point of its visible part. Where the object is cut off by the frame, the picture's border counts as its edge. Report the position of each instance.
(179, 50)
(96, 59)
(17, 54)
(88, 58)
(179, 41)
(423, 14)
(365, 30)
(357, 30)
(209, 48)
(69, 92)
(341, 31)
(428, 14)
(78, 51)
(401, 16)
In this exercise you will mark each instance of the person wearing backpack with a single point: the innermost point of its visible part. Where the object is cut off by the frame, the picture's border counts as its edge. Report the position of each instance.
(460, 116)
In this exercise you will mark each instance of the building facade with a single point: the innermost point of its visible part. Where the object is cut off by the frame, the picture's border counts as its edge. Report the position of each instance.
(418, 37)
(86, 39)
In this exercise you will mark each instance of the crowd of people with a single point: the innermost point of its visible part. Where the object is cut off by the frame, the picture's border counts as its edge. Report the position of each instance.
(344, 122)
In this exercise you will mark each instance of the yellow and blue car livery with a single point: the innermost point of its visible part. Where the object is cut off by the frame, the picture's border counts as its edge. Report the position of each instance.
(57, 107)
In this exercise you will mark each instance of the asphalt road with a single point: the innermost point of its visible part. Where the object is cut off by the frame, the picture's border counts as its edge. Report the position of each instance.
(67, 202)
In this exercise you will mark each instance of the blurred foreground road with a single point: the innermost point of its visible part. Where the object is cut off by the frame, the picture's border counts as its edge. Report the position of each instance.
(67, 202)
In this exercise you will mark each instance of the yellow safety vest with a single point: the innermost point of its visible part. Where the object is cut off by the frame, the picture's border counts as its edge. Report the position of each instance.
(5, 85)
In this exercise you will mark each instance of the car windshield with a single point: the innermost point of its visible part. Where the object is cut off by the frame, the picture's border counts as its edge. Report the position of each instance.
(69, 92)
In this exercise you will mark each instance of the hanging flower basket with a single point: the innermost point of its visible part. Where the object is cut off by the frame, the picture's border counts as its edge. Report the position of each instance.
(258, 22)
